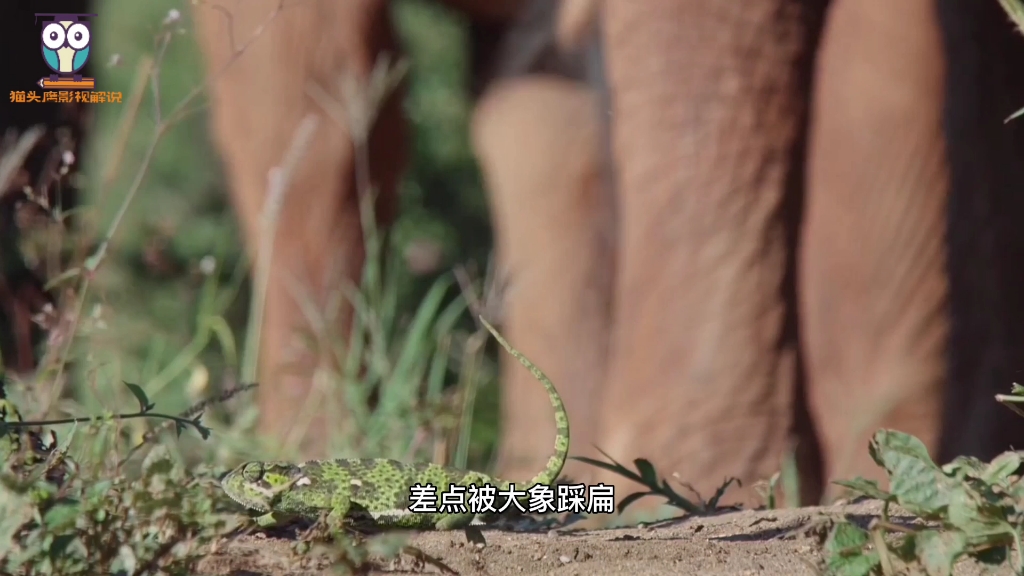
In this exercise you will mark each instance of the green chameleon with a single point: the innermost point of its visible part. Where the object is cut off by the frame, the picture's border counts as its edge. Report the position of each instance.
(374, 493)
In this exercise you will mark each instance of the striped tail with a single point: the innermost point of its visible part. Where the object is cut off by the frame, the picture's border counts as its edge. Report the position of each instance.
(557, 460)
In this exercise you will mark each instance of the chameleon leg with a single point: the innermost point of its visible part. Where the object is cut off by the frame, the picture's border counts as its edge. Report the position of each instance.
(266, 520)
(454, 521)
(340, 505)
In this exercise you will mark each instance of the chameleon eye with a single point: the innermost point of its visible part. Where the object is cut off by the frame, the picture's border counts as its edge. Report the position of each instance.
(252, 472)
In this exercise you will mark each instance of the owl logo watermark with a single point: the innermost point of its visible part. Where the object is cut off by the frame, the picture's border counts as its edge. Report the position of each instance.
(65, 41)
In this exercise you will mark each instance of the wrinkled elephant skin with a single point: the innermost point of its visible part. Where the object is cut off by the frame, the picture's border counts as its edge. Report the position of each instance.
(703, 363)
(873, 288)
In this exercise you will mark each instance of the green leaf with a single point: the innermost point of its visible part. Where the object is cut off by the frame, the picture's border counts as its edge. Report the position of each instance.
(647, 474)
(845, 551)
(963, 467)
(865, 487)
(144, 404)
(977, 518)
(600, 464)
(98, 489)
(630, 499)
(846, 537)
(1001, 468)
(204, 432)
(916, 482)
(886, 442)
(612, 466)
(939, 550)
(62, 515)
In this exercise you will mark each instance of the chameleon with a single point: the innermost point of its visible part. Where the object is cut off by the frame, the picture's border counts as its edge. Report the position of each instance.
(374, 493)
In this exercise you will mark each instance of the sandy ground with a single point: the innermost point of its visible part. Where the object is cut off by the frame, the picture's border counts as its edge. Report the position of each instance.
(785, 542)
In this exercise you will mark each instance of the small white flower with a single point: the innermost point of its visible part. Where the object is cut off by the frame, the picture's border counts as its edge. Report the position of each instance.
(207, 265)
(172, 16)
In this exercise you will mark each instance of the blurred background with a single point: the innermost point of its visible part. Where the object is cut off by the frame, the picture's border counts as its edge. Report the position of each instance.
(641, 208)
(175, 267)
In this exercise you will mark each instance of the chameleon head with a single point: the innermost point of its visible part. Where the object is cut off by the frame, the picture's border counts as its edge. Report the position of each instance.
(255, 485)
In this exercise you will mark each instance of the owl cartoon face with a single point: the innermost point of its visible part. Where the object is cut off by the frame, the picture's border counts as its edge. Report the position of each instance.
(66, 42)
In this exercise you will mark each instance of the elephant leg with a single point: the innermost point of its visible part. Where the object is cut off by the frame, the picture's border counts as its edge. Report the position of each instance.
(708, 113)
(537, 139)
(256, 104)
(873, 286)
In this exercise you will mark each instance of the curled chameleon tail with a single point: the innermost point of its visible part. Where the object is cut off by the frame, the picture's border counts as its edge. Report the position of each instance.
(377, 492)
(557, 460)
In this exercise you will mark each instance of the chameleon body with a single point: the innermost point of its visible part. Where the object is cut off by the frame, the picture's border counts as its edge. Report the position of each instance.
(375, 492)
